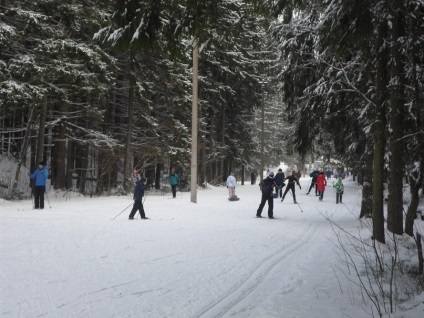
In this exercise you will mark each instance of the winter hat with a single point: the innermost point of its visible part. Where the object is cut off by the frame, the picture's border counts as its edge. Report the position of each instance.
(232, 173)
(41, 163)
(271, 175)
(280, 170)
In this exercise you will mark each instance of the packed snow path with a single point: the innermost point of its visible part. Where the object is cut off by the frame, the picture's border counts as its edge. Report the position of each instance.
(210, 259)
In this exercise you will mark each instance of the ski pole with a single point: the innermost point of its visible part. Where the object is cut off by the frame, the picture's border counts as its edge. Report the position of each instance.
(145, 197)
(307, 188)
(301, 210)
(48, 201)
(121, 212)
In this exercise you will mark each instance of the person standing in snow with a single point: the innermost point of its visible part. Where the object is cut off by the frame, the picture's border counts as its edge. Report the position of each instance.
(279, 181)
(253, 178)
(173, 179)
(267, 186)
(291, 185)
(321, 184)
(138, 197)
(231, 185)
(339, 190)
(314, 176)
(40, 179)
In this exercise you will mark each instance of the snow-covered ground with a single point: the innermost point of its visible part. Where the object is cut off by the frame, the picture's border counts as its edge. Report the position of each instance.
(210, 259)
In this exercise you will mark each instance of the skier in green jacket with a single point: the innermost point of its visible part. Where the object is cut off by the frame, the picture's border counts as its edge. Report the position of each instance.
(339, 190)
(173, 179)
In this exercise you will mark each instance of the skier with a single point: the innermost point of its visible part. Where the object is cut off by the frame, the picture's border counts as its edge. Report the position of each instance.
(253, 178)
(339, 190)
(231, 185)
(321, 183)
(279, 181)
(267, 195)
(291, 183)
(40, 175)
(313, 175)
(138, 197)
(173, 181)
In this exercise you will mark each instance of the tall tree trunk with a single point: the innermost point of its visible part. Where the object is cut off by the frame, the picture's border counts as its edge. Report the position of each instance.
(221, 168)
(396, 145)
(59, 151)
(414, 184)
(128, 147)
(41, 131)
(367, 186)
(379, 133)
(158, 175)
(24, 147)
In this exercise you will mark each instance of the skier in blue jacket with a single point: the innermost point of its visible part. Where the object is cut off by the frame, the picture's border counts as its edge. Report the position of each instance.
(40, 179)
(279, 180)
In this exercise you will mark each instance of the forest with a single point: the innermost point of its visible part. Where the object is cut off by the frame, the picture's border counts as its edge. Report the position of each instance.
(97, 88)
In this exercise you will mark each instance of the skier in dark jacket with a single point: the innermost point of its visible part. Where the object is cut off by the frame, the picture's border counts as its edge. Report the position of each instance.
(314, 176)
(279, 181)
(291, 183)
(138, 197)
(40, 179)
(267, 186)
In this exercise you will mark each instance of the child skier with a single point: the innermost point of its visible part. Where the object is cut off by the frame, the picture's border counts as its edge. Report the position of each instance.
(339, 190)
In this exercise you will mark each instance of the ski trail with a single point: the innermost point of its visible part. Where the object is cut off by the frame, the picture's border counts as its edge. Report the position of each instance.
(239, 292)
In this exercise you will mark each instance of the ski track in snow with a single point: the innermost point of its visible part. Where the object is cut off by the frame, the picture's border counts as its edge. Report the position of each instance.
(239, 292)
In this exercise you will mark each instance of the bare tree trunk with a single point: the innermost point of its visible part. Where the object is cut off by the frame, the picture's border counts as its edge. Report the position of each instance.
(420, 254)
(27, 137)
(414, 186)
(221, 168)
(158, 174)
(128, 148)
(367, 187)
(60, 156)
(397, 117)
(41, 131)
(379, 133)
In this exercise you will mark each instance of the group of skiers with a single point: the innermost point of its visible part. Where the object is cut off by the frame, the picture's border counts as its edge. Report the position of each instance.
(267, 186)
(277, 182)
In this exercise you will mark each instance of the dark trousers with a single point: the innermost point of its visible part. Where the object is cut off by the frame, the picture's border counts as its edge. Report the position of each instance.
(174, 190)
(313, 185)
(270, 200)
(291, 187)
(339, 197)
(279, 190)
(39, 197)
(138, 205)
(321, 194)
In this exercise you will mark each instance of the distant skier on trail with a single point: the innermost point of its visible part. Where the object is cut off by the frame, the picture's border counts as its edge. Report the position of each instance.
(267, 186)
(314, 176)
(321, 184)
(40, 179)
(231, 185)
(138, 197)
(291, 184)
(339, 190)
(279, 181)
(173, 179)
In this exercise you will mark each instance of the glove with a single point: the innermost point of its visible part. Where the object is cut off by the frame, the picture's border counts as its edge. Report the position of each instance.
(300, 187)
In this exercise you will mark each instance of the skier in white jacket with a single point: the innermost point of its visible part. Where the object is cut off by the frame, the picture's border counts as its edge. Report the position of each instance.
(231, 185)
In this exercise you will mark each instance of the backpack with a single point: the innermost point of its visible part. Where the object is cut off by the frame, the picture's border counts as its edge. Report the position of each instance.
(266, 187)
